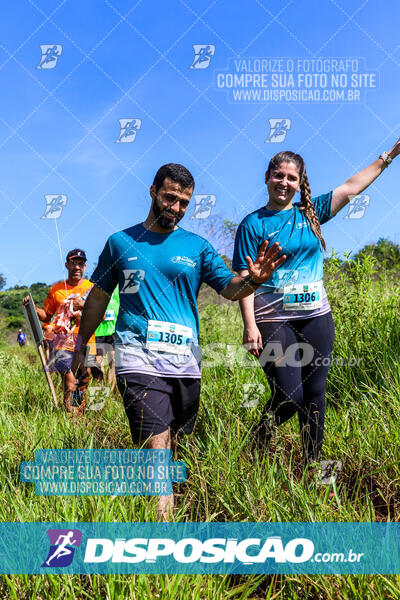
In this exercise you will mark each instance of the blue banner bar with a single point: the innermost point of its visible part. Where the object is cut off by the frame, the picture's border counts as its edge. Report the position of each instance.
(200, 548)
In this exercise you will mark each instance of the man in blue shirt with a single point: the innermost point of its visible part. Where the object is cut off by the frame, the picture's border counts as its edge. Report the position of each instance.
(21, 338)
(159, 268)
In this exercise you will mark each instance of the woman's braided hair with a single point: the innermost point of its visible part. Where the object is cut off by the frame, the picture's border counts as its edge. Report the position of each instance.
(305, 193)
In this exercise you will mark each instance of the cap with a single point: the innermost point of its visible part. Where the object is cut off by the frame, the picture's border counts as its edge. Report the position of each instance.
(76, 253)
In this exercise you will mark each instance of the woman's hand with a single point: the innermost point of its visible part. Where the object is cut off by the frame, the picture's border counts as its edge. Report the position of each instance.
(252, 340)
(395, 151)
(360, 181)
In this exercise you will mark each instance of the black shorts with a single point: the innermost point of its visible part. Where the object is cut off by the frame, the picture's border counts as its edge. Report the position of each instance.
(152, 403)
(104, 339)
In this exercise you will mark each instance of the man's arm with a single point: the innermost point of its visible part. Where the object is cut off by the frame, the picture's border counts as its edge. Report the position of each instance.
(259, 271)
(239, 287)
(41, 313)
(92, 314)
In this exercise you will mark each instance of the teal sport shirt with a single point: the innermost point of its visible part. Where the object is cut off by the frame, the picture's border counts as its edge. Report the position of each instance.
(159, 277)
(304, 255)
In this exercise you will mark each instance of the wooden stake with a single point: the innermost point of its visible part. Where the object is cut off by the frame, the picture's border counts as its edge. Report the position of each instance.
(35, 329)
(48, 376)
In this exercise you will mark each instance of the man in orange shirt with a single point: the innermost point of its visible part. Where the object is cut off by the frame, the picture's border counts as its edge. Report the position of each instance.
(65, 300)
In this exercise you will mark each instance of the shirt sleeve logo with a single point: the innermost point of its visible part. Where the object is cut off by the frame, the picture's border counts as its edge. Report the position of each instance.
(184, 260)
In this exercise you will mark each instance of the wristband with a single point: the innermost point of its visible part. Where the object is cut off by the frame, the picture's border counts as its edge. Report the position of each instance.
(386, 158)
(250, 281)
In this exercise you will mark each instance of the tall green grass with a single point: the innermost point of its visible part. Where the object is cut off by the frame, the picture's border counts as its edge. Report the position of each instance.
(227, 479)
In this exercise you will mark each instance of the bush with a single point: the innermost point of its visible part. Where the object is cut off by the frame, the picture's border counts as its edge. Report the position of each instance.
(386, 253)
(15, 322)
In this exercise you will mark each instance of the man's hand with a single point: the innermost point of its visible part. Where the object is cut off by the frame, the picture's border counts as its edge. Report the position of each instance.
(43, 316)
(266, 262)
(78, 304)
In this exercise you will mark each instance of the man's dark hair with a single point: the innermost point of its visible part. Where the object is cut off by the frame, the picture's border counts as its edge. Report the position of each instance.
(175, 172)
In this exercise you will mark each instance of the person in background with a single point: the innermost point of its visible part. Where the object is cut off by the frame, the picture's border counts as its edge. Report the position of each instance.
(65, 302)
(48, 337)
(105, 342)
(21, 338)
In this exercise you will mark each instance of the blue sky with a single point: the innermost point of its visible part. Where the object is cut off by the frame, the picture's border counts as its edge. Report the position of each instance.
(131, 60)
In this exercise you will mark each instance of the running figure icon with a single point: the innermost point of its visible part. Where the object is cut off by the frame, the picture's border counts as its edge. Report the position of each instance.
(62, 547)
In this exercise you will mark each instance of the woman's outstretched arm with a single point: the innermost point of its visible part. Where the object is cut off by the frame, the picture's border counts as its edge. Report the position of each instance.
(360, 181)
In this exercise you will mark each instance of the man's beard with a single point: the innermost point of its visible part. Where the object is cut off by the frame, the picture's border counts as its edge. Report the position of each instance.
(162, 219)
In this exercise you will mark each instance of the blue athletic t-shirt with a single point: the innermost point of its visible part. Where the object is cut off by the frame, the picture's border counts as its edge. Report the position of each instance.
(304, 257)
(159, 276)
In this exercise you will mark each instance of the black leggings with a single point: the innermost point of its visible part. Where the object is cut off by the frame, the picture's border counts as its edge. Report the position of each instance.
(295, 358)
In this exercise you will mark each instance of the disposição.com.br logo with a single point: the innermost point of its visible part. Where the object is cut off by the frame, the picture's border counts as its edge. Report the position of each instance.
(63, 543)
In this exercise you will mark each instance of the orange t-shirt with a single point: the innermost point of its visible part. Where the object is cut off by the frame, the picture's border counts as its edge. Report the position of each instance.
(67, 321)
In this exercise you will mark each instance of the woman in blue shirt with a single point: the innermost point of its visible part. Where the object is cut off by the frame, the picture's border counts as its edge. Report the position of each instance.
(287, 322)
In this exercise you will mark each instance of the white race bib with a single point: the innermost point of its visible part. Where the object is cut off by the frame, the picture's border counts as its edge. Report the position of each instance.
(168, 337)
(302, 296)
(110, 315)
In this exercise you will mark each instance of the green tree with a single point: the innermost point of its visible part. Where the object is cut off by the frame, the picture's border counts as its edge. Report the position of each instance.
(230, 228)
(385, 252)
(3, 281)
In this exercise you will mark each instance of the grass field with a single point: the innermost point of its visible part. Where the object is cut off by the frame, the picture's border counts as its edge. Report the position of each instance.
(227, 480)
